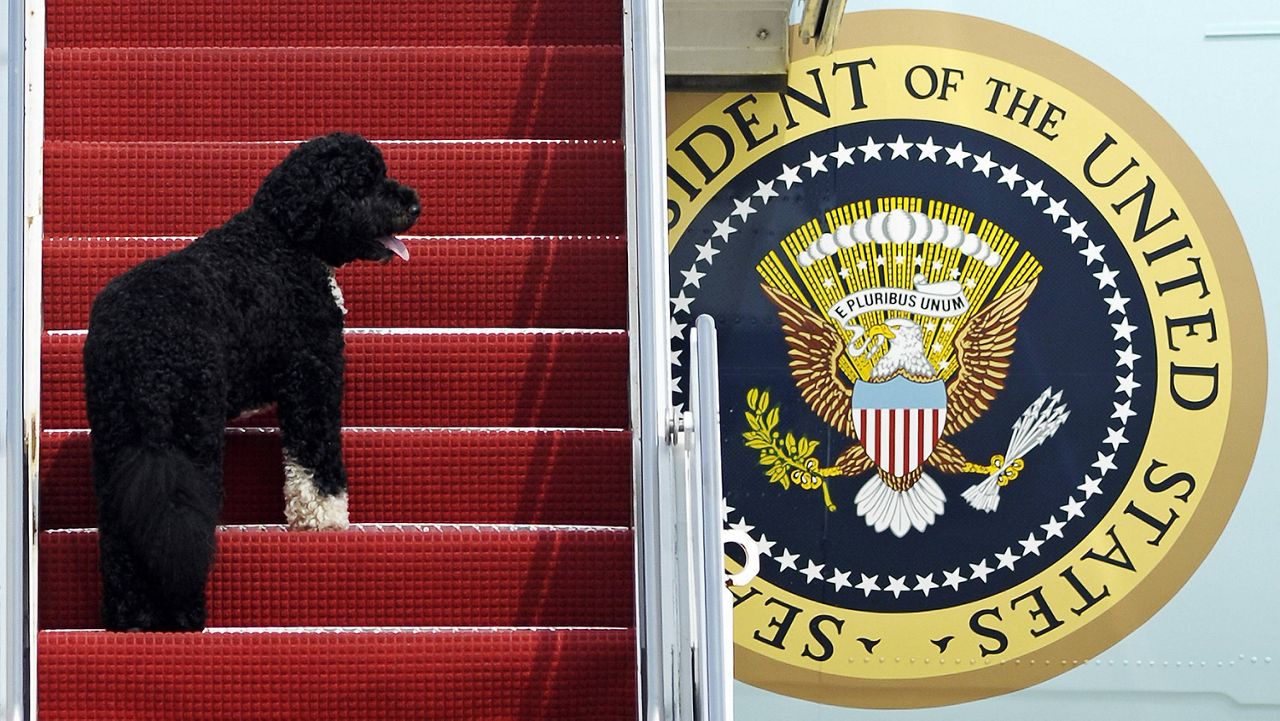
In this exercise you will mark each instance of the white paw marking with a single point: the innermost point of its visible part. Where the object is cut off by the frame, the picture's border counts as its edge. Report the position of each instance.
(305, 507)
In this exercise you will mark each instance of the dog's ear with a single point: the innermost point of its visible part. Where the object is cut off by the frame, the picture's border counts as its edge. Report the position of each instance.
(292, 196)
(299, 192)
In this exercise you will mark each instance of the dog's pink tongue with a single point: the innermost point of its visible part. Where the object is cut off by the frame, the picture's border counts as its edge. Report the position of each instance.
(397, 246)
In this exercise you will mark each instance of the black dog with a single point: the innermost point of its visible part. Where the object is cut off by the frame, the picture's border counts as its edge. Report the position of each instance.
(245, 316)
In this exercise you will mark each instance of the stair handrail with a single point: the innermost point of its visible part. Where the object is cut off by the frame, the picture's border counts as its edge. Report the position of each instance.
(682, 607)
(663, 664)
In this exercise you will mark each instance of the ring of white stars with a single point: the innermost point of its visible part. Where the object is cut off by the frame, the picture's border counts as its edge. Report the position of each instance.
(1033, 192)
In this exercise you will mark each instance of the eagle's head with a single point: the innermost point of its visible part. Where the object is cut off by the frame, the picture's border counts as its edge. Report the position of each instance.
(905, 354)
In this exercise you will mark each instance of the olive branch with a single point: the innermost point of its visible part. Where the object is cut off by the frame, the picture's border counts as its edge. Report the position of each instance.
(788, 459)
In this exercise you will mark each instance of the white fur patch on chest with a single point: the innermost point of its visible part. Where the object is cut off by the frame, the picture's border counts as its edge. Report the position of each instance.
(336, 292)
(305, 507)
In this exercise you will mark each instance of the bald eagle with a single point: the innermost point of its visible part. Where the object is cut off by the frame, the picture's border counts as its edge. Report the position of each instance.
(983, 347)
(905, 354)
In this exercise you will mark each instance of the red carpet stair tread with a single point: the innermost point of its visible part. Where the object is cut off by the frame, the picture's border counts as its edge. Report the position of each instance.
(491, 674)
(536, 476)
(525, 282)
(489, 575)
(158, 189)
(379, 576)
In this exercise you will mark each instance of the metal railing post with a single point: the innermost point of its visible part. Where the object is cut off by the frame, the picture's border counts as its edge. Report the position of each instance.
(713, 658)
(19, 355)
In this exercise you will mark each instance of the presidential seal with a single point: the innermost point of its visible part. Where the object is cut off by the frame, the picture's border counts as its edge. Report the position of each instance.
(987, 384)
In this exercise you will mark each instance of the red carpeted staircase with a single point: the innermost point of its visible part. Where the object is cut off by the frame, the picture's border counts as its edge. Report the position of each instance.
(488, 573)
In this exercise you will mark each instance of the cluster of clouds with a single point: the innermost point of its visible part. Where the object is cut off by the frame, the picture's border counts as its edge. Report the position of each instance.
(899, 226)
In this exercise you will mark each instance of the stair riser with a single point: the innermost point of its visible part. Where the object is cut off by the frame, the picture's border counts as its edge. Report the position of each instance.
(449, 282)
(304, 23)
(561, 675)
(564, 380)
(234, 94)
(159, 189)
(462, 577)
(544, 477)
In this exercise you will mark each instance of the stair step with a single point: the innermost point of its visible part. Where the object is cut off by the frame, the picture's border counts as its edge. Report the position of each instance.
(501, 675)
(398, 475)
(570, 379)
(493, 188)
(379, 576)
(202, 94)
(521, 282)
(304, 23)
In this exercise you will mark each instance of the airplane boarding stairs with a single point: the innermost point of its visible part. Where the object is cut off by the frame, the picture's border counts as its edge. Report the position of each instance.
(488, 573)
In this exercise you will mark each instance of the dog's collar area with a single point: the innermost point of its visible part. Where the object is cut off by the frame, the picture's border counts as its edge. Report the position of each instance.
(335, 290)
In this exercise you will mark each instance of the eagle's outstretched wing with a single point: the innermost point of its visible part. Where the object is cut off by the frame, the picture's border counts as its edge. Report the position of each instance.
(983, 347)
(815, 351)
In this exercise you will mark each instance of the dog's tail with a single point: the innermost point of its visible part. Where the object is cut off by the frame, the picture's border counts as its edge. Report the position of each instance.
(167, 513)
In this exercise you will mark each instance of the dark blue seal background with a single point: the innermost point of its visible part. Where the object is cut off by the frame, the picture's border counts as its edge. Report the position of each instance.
(1064, 340)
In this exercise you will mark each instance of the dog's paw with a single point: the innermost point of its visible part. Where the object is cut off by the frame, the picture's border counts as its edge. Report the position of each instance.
(306, 508)
(306, 512)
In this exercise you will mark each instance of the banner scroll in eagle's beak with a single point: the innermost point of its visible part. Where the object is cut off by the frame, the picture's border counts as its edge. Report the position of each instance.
(938, 300)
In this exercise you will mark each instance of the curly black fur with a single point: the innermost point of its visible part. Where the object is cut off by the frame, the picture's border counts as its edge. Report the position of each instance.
(241, 318)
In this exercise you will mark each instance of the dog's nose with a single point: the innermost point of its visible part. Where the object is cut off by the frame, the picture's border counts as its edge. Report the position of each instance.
(415, 210)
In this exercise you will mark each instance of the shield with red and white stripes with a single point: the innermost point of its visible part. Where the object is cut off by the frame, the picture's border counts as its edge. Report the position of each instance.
(899, 421)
